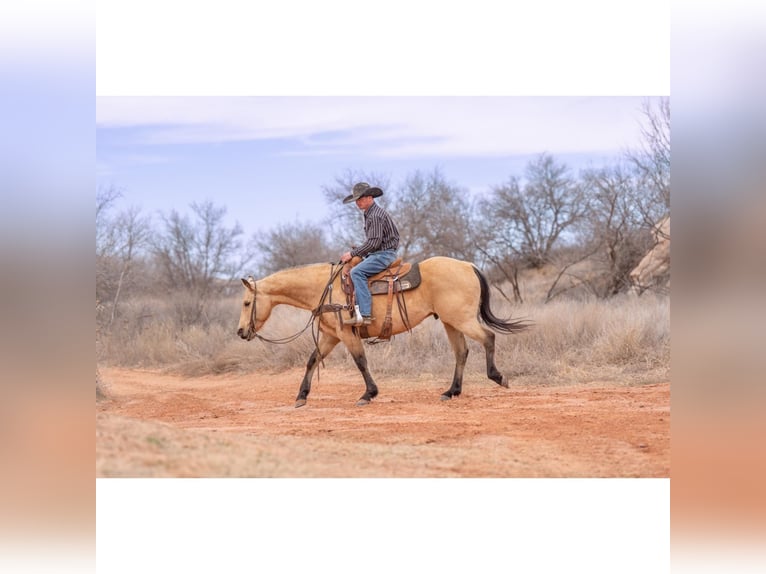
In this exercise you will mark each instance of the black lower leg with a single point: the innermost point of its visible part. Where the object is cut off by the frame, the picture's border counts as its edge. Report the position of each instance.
(305, 388)
(371, 388)
(457, 379)
(489, 347)
(325, 346)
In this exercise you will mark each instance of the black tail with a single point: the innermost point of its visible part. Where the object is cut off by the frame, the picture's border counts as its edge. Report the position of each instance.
(486, 313)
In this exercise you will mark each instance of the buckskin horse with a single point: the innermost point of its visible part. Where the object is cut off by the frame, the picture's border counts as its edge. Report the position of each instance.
(454, 291)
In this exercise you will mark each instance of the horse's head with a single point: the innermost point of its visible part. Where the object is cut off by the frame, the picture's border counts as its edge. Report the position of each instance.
(256, 308)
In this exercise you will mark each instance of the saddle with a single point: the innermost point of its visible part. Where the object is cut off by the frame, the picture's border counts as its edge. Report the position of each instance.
(406, 276)
(393, 280)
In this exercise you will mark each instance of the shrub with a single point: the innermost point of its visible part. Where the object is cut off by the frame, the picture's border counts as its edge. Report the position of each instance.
(625, 338)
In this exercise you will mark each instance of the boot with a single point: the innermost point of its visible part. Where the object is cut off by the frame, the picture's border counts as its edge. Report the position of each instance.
(358, 319)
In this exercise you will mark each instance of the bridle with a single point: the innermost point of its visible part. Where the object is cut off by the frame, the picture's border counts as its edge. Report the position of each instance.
(282, 341)
(318, 310)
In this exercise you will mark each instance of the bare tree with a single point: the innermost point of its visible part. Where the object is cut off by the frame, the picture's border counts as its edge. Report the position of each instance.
(132, 229)
(198, 256)
(652, 160)
(433, 217)
(503, 262)
(120, 240)
(614, 227)
(106, 197)
(293, 244)
(529, 219)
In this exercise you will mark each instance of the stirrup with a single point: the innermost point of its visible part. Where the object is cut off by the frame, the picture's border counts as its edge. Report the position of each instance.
(358, 321)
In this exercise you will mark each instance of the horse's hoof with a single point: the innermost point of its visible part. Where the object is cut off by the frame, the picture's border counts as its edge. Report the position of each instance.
(362, 402)
(300, 403)
(505, 383)
(445, 398)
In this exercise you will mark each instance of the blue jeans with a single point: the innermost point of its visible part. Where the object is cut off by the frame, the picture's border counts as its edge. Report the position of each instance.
(372, 264)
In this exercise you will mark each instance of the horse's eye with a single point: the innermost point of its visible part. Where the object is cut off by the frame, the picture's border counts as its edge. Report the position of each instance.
(247, 303)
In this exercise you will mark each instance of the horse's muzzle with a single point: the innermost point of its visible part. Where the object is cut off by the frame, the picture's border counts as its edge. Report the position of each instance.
(244, 334)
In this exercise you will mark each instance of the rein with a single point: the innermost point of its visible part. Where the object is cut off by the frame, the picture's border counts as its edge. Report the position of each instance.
(312, 319)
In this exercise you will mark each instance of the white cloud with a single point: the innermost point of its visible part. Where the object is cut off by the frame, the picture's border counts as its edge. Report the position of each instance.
(387, 126)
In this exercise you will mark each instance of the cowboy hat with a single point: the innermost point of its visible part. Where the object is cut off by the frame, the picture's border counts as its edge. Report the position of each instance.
(362, 189)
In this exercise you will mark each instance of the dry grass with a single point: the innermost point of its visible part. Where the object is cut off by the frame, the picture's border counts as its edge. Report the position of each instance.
(102, 392)
(625, 339)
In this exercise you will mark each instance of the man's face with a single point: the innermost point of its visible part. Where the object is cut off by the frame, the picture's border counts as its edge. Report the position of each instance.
(364, 202)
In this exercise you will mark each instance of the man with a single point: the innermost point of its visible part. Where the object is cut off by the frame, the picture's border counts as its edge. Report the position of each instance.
(378, 251)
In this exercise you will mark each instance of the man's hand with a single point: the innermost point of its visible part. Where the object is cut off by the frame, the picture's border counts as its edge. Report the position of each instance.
(346, 257)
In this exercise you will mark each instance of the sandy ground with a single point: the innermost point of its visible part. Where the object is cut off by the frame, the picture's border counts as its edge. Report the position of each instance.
(158, 425)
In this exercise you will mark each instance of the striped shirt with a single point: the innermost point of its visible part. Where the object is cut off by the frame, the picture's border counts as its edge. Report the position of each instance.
(380, 231)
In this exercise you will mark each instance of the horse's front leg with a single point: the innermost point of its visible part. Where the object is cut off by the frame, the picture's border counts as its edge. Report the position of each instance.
(457, 340)
(325, 346)
(357, 352)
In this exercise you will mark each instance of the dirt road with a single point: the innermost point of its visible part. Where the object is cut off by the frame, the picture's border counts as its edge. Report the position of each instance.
(158, 425)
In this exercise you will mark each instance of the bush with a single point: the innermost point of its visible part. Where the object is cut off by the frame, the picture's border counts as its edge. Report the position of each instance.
(624, 338)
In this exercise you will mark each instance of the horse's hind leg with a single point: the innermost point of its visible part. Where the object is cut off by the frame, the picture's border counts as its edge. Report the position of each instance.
(457, 340)
(489, 349)
(325, 346)
(486, 337)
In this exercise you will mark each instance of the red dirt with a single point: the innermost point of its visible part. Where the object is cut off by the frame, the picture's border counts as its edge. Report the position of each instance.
(246, 425)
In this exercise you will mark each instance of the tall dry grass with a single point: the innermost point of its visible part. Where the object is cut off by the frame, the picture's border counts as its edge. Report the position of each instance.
(625, 339)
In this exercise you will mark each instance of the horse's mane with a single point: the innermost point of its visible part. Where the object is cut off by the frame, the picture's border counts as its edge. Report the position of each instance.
(298, 268)
(306, 265)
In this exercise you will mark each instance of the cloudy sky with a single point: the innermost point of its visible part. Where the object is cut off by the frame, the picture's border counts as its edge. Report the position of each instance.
(266, 158)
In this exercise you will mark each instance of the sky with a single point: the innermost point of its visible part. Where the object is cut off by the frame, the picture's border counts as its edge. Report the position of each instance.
(266, 158)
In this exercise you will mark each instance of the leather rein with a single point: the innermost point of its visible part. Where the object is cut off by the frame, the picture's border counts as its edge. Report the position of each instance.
(318, 310)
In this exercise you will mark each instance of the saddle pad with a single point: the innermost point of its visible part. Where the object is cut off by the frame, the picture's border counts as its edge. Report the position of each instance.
(397, 266)
(408, 281)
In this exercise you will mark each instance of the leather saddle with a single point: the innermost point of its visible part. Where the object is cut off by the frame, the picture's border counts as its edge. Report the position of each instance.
(406, 276)
(396, 278)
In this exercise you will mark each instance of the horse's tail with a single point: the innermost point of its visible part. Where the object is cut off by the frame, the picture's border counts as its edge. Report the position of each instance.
(486, 313)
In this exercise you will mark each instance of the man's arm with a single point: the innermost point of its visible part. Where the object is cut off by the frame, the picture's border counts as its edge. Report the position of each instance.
(372, 244)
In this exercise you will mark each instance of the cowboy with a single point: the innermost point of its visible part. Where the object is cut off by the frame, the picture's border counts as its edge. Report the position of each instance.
(378, 251)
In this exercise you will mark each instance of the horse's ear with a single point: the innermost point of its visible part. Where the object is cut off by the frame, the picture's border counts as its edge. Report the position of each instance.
(248, 283)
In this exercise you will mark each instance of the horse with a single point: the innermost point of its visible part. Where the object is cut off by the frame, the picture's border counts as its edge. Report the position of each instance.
(454, 291)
